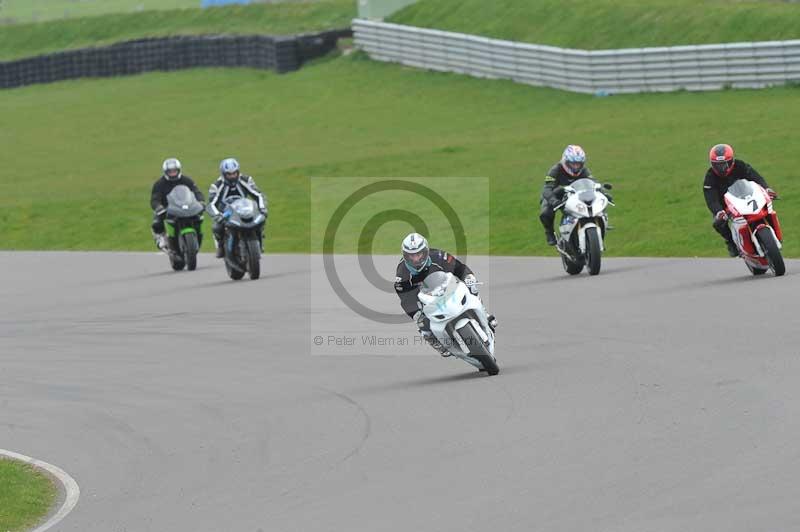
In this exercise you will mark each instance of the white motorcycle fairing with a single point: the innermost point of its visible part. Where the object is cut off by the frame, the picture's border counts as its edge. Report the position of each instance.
(451, 308)
(584, 210)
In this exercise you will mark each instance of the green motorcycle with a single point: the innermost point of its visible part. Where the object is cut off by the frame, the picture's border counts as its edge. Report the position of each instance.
(183, 222)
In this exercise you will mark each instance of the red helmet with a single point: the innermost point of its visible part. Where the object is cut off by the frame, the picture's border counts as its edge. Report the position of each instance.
(721, 159)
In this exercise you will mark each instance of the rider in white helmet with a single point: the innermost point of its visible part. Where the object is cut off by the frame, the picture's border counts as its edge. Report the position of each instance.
(231, 184)
(418, 262)
(171, 176)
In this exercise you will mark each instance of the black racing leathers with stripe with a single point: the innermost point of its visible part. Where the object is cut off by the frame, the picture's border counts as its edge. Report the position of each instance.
(714, 186)
(222, 190)
(407, 284)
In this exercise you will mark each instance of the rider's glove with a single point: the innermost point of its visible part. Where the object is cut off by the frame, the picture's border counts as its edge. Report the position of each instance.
(721, 216)
(472, 284)
(771, 193)
(160, 209)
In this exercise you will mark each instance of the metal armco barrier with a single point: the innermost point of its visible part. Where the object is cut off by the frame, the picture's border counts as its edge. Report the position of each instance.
(701, 67)
(282, 54)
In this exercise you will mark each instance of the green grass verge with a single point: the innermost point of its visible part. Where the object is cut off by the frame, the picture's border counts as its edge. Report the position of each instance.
(26, 496)
(598, 24)
(19, 11)
(85, 152)
(278, 19)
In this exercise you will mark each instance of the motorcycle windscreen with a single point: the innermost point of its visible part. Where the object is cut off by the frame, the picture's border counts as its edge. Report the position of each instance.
(585, 188)
(245, 208)
(182, 202)
(741, 189)
(443, 289)
(583, 185)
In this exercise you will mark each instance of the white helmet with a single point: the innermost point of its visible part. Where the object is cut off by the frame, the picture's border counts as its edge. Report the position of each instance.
(169, 166)
(416, 253)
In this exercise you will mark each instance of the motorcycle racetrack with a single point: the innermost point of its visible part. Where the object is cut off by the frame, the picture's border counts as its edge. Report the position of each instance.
(658, 396)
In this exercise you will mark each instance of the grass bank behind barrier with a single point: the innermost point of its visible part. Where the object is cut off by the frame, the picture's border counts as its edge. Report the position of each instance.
(270, 19)
(602, 24)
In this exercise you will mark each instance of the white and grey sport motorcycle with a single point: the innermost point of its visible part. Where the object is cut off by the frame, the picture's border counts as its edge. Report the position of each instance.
(458, 320)
(583, 226)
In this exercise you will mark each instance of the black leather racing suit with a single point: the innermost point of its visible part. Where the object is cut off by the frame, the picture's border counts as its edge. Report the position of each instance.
(158, 197)
(714, 188)
(407, 284)
(556, 177)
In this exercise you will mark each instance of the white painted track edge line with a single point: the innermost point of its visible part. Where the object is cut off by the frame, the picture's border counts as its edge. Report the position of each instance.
(71, 489)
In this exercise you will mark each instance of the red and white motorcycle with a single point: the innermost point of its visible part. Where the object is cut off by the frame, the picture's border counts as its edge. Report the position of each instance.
(755, 227)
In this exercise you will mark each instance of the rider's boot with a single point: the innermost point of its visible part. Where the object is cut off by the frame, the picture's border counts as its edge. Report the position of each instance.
(220, 249)
(733, 251)
(162, 242)
(550, 236)
(492, 322)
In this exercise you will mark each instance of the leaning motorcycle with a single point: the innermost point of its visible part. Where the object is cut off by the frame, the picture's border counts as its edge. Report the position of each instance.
(459, 321)
(755, 227)
(584, 221)
(244, 225)
(183, 221)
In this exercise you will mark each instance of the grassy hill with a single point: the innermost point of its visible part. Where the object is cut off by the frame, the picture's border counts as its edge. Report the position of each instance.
(21, 11)
(599, 24)
(276, 19)
(81, 176)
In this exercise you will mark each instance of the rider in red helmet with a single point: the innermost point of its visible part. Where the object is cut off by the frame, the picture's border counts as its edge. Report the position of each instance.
(725, 170)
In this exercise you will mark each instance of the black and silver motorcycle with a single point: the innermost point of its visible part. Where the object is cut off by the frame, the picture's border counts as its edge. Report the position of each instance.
(183, 222)
(244, 227)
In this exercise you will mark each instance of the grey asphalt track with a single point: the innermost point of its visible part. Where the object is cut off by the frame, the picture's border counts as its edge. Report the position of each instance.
(660, 396)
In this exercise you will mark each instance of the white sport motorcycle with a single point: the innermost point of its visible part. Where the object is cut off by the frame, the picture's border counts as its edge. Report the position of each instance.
(458, 320)
(583, 226)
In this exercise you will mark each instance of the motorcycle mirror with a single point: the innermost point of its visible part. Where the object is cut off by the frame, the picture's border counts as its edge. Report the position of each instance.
(607, 186)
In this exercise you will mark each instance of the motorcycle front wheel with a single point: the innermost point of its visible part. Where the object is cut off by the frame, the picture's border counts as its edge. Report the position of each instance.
(593, 252)
(190, 248)
(254, 258)
(771, 249)
(477, 349)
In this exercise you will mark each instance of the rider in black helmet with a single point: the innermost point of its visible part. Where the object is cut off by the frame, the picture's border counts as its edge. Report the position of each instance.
(724, 170)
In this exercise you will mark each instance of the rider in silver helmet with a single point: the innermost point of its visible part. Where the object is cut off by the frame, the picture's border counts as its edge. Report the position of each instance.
(419, 261)
(171, 176)
(231, 184)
